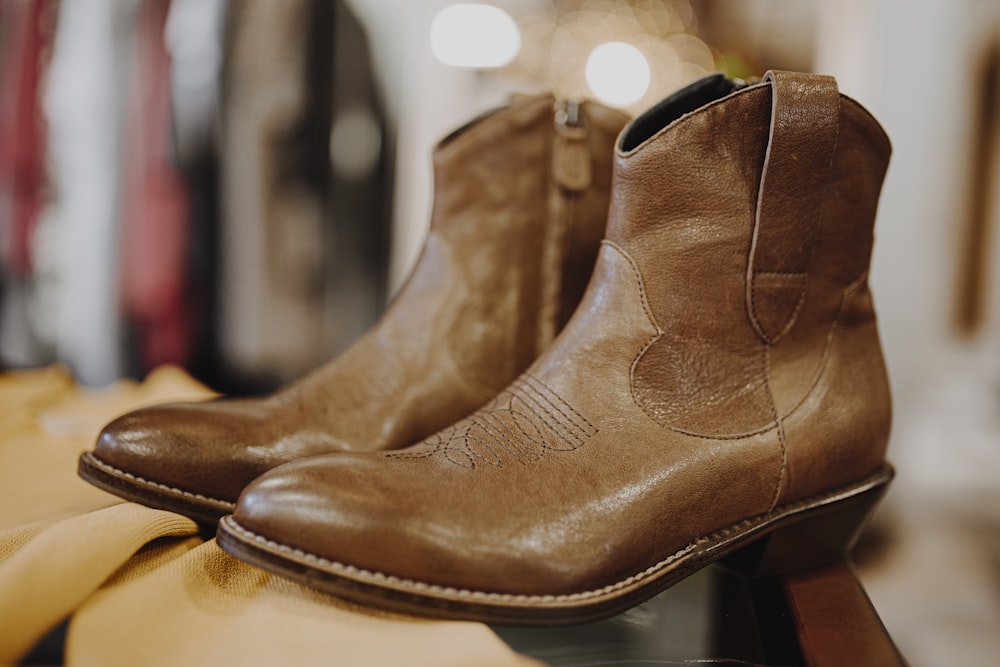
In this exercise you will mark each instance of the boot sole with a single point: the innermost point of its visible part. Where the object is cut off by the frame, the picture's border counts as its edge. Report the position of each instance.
(799, 536)
(203, 509)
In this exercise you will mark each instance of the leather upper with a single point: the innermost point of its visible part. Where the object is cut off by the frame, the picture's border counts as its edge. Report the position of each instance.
(724, 360)
(508, 254)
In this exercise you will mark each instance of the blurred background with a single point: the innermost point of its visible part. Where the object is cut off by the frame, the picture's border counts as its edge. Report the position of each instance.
(238, 186)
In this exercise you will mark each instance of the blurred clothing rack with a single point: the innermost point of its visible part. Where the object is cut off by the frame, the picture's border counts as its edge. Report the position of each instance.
(194, 182)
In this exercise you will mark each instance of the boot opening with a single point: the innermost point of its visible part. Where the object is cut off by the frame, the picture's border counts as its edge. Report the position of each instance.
(685, 100)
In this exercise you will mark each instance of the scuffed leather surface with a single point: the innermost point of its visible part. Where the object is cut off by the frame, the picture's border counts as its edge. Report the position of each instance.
(506, 260)
(653, 419)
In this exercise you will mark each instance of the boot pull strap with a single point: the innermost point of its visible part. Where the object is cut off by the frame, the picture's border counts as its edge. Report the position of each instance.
(805, 119)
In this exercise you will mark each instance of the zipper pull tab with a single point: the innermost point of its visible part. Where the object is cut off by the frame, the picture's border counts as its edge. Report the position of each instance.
(571, 166)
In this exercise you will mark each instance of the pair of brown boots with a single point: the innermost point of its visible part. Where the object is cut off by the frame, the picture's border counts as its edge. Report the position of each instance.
(716, 390)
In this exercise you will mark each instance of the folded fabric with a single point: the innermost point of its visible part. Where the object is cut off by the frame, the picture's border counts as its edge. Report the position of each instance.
(60, 566)
(46, 421)
(207, 608)
(60, 538)
(139, 585)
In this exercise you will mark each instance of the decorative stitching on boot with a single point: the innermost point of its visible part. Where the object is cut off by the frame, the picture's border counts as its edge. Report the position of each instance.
(542, 387)
(649, 343)
(853, 287)
(522, 423)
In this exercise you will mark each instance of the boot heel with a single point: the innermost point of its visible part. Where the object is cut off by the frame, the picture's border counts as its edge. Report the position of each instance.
(809, 540)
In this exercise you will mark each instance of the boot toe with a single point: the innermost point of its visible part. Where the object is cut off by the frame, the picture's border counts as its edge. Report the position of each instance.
(369, 513)
(137, 443)
(290, 505)
(180, 446)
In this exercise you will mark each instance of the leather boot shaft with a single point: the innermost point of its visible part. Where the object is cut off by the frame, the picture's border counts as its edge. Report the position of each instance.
(509, 251)
(520, 205)
(523, 260)
(720, 382)
(765, 198)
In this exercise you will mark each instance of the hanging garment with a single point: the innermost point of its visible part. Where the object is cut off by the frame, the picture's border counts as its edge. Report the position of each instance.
(26, 33)
(303, 238)
(82, 107)
(155, 227)
(23, 51)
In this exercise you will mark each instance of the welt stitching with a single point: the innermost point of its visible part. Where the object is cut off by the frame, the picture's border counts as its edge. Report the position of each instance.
(156, 485)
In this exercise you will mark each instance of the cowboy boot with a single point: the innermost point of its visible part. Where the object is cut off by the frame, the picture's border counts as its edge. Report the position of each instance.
(520, 206)
(719, 391)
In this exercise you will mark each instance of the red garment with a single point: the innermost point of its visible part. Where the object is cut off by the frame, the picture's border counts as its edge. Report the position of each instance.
(155, 207)
(24, 49)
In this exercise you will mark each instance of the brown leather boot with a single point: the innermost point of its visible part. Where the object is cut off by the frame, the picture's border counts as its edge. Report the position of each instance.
(719, 391)
(520, 206)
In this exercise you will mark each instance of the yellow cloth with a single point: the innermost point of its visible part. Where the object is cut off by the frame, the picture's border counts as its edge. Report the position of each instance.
(60, 537)
(140, 586)
(207, 608)
(46, 422)
(60, 566)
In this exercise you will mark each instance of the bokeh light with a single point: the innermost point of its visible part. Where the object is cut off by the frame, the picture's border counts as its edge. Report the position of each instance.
(617, 73)
(475, 36)
(558, 37)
